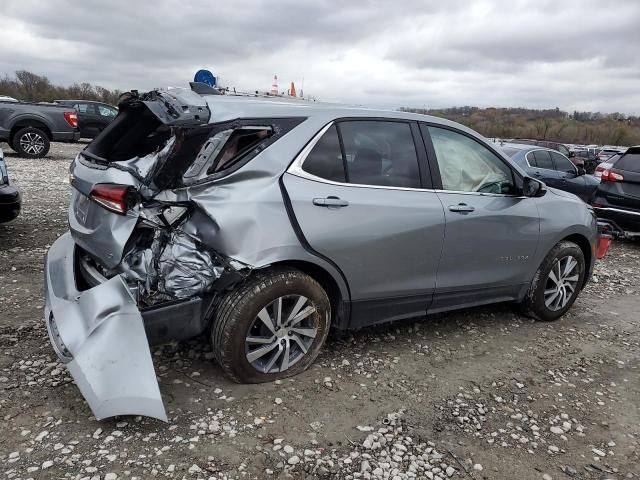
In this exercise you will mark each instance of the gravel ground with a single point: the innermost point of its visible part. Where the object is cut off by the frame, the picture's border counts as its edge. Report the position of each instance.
(479, 394)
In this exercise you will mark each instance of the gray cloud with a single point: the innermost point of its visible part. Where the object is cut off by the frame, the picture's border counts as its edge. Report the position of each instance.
(575, 54)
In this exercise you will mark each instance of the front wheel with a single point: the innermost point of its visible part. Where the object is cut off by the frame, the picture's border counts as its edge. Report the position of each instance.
(556, 284)
(272, 326)
(31, 142)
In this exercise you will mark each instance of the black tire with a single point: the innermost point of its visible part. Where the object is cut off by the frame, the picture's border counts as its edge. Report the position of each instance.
(533, 304)
(31, 142)
(236, 315)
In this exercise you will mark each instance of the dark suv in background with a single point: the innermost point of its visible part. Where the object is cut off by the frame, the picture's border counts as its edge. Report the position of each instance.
(617, 198)
(92, 116)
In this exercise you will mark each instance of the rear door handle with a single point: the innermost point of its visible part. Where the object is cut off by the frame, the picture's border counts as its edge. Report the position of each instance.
(330, 202)
(461, 207)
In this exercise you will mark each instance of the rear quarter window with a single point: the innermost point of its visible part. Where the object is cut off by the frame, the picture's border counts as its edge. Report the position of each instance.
(216, 150)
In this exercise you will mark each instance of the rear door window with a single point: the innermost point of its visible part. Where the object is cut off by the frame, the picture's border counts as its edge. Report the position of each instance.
(325, 160)
(88, 108)
(366, 152)
(562, 163)
(380, 153)
(107, 111)
(543, 159)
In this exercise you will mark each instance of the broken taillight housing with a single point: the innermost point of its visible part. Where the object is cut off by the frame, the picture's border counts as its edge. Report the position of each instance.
(609, 176)
(115, 198)
(71, 118)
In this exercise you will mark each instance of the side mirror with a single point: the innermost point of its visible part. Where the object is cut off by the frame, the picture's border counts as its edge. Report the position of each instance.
(572, 154)
(581, 171)
(533, 188)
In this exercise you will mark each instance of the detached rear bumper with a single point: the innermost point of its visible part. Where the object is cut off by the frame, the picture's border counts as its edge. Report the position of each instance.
(99, 334)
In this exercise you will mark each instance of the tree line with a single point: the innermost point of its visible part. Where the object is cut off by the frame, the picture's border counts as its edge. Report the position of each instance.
(28, 86)
(552, 124)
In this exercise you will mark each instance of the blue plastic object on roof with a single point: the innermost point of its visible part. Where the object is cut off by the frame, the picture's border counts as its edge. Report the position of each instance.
(205, 76)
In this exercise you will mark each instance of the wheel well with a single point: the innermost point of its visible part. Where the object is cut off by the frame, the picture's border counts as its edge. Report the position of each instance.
(326, 280)
(28, 123)
(584, 245)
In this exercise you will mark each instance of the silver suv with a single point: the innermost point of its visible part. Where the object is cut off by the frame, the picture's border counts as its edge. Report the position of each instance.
(266, 222)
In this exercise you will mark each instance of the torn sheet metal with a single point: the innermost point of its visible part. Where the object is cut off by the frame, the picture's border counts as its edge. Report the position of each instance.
(175, 266)
(143, 168)
(99, 334)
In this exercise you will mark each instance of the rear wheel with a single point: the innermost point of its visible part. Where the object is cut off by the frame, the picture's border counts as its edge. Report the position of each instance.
(31, 142)
(270, 327)
(556, 284)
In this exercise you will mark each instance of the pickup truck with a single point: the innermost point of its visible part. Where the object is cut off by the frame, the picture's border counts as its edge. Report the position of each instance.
(28, 128)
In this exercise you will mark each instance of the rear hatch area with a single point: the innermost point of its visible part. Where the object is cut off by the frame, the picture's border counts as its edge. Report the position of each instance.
(127, 264)
(142, 259)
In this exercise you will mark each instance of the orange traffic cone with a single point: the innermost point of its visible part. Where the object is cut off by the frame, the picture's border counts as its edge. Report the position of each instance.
(292, 91)
(274, 85)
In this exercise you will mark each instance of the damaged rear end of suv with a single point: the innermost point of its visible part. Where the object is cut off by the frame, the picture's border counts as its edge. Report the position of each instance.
(157, 240)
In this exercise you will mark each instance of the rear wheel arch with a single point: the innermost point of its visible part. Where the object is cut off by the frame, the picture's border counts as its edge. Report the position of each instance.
(22, 123)
(339, 315)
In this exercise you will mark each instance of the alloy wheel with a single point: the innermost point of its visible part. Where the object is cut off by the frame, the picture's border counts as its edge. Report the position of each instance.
(32, 143)
(281, 334)
(562, 283)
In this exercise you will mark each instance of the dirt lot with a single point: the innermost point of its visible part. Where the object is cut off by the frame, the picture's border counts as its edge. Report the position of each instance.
(483, 393)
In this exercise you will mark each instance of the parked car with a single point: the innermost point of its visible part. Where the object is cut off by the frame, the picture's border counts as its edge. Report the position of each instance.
(553, 168)
(266, 223)
(93, 117)
(560, 147)
(5, 98)
(605, 153)
(605, 165)
(9, 195)
(29, 128)
(618, 196)
(589, 158)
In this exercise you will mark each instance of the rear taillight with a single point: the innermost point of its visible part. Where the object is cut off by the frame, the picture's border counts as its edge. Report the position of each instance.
(115, 198)
(71, 118)
(601, 168)
(609, 176)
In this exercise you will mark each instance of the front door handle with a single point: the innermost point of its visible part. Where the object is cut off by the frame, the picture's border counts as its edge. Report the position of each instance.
(330, 202)
(461, 207)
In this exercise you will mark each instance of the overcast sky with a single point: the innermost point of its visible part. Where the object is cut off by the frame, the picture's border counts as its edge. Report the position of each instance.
(573, 54)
